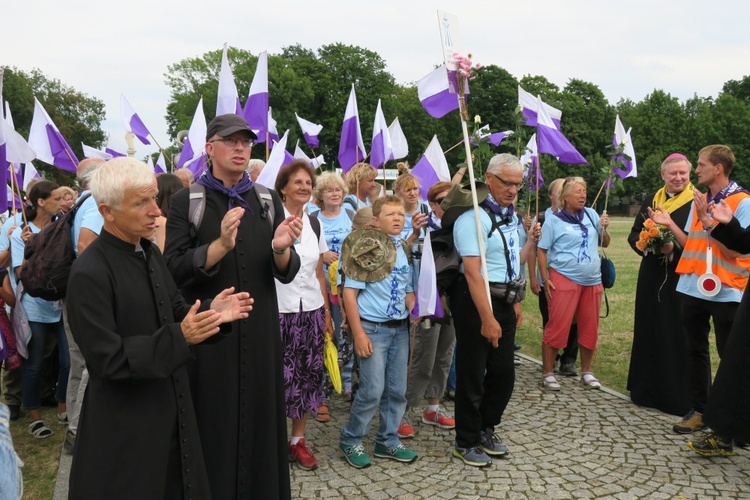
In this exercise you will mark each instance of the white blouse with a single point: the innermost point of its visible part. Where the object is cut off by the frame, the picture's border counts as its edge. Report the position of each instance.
(303, 293)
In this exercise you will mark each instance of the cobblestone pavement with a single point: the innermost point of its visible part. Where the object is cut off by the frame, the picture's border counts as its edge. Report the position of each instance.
(577, 443)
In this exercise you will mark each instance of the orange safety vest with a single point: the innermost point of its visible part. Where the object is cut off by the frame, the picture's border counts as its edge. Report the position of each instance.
(731, 272)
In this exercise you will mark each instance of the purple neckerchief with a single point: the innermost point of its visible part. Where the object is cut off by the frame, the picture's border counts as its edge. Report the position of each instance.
(729, 189)
(234, 193)
(572, 218)
(433, 221)
(494, 206)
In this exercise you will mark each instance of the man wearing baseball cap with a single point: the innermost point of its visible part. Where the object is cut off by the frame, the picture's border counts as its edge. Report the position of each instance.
(237, 380)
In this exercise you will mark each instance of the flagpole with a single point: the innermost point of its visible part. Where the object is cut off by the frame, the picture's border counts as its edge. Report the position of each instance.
(18, 190)
(453, 147)
(464, 113)
(74, 162)
(536, 181)
(166, 156)
(593, 205)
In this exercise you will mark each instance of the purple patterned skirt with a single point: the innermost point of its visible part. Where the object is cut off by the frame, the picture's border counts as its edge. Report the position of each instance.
(302, 340)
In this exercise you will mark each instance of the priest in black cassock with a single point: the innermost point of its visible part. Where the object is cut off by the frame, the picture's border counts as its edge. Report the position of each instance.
(138, 436)
(658, 375)
(241, 240)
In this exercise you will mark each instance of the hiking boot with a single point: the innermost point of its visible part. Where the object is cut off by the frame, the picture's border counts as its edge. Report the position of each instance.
(691, 422)
(474, 456)
(568, 370)
(711, 445)
(303, 456)
(491, 444)
(438, 418)
(355, 455)
(399, 453)
(405, 429)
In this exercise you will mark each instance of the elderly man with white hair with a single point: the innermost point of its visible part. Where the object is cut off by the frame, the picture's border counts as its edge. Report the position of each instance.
(138, 436)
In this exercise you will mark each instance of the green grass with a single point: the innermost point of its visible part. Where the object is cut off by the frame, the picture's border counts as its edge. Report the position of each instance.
(40, 456)
(616, 331)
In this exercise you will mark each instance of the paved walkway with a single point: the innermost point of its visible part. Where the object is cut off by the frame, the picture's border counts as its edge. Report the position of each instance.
(574, 444)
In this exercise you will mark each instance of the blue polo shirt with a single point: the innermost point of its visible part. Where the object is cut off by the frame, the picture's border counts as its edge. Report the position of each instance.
(88, 217)
(385, 300)
(568, 252)
(467, 244)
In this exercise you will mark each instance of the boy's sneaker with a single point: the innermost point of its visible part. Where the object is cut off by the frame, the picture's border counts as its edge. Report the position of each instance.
(472, 456)
(438, 418)
(355, 455)
(405, 429)
(691, 422)
(303, 456)
(711, 445)
(491, 444)
(399, 453)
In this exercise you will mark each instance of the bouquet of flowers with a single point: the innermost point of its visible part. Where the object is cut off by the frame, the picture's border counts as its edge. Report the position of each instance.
(653, 237)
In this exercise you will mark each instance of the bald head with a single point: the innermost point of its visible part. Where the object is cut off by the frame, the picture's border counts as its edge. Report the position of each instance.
(185, 175)
(85, 170)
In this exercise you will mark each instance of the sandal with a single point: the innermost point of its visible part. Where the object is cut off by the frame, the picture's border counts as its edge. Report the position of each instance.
(323, 415)
(550, 383)
(589, 381)
(39, 430)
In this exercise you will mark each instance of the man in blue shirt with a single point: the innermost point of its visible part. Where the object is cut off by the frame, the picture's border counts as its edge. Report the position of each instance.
(485, 326)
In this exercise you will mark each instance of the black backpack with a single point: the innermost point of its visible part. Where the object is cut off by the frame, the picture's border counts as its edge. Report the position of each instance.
(48, 256)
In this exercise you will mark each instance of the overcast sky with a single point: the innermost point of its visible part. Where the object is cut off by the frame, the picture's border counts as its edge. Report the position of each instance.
(628, 49)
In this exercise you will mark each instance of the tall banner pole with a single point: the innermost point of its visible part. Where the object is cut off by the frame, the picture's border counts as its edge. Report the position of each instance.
(448, 24)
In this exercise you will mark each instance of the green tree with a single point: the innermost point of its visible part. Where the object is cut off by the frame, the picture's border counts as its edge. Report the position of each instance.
(77, 115)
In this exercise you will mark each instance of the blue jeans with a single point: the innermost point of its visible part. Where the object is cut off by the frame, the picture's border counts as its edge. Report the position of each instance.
(32, 367)
(382, 382)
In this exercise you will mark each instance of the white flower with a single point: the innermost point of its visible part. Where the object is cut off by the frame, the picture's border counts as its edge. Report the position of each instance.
(477, 119)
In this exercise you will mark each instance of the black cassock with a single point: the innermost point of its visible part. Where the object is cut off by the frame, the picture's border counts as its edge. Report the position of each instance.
(237, 378)
(658, 376)
(728, 408)
(138, 436)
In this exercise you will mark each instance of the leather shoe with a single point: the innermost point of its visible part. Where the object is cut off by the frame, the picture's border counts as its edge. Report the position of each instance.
(15, 411)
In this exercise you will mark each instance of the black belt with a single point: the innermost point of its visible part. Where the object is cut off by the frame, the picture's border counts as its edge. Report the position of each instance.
(390, 323)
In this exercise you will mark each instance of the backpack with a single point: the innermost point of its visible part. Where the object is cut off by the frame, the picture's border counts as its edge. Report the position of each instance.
(48, 256)
(197, 207)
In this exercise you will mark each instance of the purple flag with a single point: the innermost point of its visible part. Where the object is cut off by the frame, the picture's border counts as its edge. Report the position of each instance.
(227, 100)
(431, 168)
(133, 122)
(530, 107)
(161, 166)
(551, 141)
(256, 107)
(113, 153)
(434, 91)
(495, 138)
(428, 299)
(195, 143)
(64, 156)
(45, 139)
(197, 165)
(351, 147)
(622, 139)
(310, 131)
(381, 149)
(186, 154)
(534, 179)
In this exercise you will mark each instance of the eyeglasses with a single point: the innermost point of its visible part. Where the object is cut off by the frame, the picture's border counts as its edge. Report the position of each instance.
(231, 141)
(516, 185)
(333, 191)
(439, 200)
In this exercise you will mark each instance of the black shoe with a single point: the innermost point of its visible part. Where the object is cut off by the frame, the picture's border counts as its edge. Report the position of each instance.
(711, 445)
(568, 370)
(69, 443)
(15, 411)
